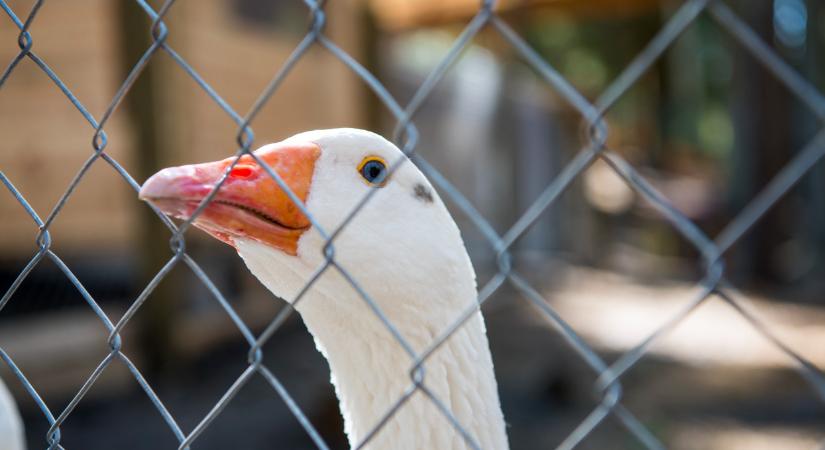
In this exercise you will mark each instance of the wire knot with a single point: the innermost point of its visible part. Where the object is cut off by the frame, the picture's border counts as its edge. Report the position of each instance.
(597, 132)
(99, 140)
(329, 251)
(43, 240)
(245, 137)
(25, 41)
(177, 244)
(418, 374)
(318, 20)
(255, 356)
(159, 31)
(115, 343)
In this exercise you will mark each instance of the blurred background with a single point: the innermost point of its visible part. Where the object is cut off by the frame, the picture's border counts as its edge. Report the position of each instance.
(707, 125)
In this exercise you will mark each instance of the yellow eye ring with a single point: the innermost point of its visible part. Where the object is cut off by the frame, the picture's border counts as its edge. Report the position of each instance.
(373, 169)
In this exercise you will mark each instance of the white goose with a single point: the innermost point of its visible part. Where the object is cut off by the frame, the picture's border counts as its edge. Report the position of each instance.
(403, 248)
(11, 426)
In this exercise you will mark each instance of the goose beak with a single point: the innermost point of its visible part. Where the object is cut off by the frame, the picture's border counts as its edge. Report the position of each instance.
(250, 204)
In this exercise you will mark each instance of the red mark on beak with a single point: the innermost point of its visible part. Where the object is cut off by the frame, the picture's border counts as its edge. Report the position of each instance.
(241, 171)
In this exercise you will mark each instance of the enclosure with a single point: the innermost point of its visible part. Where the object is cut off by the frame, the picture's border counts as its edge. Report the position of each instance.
(638, 183)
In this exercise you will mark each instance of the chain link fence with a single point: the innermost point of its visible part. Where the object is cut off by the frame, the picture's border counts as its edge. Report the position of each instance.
(713, 288)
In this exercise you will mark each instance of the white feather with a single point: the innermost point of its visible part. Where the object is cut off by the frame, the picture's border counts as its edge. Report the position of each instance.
(11, 426)
(407, 253)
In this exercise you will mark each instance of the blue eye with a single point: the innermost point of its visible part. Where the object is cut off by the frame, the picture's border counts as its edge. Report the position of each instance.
(373, 170)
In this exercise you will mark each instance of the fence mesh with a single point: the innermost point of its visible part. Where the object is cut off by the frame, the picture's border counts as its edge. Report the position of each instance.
(713, 287)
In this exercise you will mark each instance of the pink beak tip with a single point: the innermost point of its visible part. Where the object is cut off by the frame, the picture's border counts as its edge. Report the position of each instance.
(167, 183)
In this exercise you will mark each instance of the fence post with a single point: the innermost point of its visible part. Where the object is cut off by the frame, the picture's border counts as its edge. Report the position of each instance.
(762, 106)
(153, 144)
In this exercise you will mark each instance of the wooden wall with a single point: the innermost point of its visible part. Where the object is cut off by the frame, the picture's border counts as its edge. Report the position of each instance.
(45, 141)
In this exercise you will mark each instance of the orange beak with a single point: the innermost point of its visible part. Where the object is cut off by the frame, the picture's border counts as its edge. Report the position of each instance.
(249, 204)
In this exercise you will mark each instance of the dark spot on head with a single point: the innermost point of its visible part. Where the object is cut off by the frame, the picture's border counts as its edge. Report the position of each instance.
(423, 193)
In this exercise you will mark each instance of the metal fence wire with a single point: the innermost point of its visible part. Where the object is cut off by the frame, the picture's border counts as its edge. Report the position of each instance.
(713, 286)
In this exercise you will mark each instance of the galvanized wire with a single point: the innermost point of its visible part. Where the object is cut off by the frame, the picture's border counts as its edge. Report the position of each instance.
(713, 287)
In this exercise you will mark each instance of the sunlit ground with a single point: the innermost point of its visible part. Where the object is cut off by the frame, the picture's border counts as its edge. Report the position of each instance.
(735, 437)
(713, 381)
(617, 313)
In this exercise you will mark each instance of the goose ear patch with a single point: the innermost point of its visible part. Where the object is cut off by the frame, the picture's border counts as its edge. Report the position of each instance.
(422, 193)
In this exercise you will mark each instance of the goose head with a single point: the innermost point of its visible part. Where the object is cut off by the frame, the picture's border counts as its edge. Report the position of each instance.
(402, 249)
(400, 242)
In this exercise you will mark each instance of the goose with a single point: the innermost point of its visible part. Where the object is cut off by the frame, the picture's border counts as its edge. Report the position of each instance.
(11, 426)
(403, 248)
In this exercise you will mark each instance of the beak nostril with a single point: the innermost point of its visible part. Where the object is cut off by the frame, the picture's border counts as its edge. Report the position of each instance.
(240, 171)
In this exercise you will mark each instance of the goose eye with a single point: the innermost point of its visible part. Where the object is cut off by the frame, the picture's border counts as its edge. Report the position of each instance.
(374, 170)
